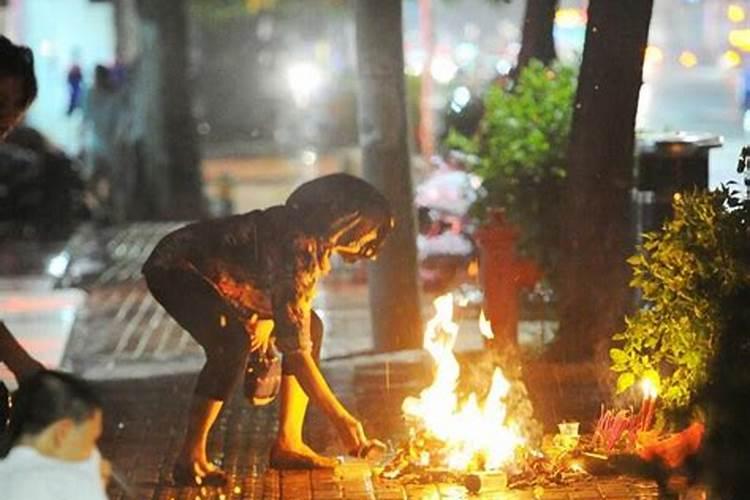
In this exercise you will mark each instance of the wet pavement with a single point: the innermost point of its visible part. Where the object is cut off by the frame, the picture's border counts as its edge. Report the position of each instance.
(145, 367)
(42, 318)
(144, 423)
(40, 315)
(99, 321)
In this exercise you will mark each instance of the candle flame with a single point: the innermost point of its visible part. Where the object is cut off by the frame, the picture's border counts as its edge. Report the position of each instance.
(648, 387)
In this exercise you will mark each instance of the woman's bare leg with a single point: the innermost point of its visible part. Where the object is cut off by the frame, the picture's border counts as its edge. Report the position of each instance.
(290, 450)
(217, 378)
(203, 414)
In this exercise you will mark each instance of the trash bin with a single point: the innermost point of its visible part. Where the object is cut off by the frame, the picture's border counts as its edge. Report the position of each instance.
(668, 163)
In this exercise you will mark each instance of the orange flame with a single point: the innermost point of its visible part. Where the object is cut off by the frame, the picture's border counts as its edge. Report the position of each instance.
(648, 387)
(485, 328)
(473, 434)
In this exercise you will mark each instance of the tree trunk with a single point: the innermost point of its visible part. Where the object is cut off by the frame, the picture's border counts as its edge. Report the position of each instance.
(394, 294)
(537, 41)
(596, 237)
(426, 122)
(126, 27)
(164, 65)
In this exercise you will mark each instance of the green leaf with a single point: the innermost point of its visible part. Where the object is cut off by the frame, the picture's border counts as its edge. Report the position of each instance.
(687, 272)
(619, 357)
(653, 376)
(635, 260)
(625, 381)
(521, 144)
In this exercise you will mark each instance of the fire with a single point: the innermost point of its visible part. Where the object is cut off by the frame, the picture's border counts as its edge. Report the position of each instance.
(485, 328)
(471, 435)
(649, 388)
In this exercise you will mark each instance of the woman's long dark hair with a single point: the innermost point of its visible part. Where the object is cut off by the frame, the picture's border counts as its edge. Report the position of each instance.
(327, 200)
(44, 398)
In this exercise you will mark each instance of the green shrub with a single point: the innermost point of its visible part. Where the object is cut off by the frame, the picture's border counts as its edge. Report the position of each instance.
(521, 145)
(685, 273)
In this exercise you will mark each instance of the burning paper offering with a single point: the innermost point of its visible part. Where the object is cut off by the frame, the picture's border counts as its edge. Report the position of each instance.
(482, 440)
(471, 434)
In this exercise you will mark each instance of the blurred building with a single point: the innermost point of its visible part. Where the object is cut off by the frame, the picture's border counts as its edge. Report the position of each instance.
(242, 68)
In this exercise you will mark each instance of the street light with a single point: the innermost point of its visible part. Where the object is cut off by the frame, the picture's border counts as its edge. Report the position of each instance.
(304, 80)
(688, 59)
(735, 13)
(461, 97)
(443, 69)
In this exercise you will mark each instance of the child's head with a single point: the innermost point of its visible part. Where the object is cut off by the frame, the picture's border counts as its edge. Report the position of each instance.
(58, 414)
(355, 215)
(17, 84)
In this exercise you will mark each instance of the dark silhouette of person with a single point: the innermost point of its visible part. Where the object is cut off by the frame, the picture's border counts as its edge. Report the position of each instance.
(18, 89)
(18, 86)
(101, 114)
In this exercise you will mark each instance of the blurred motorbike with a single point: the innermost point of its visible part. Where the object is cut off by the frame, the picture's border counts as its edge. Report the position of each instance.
(446, 248)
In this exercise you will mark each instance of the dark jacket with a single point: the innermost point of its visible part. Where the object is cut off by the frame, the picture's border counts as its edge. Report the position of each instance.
(264, 263)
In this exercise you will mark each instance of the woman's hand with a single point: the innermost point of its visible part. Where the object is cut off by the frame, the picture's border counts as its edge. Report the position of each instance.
(351, 432)
(105, 471)
(303, 367)
(260, 333)
(356, 441)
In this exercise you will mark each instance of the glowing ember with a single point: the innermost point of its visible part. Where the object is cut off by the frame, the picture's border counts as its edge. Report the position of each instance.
(462, 435)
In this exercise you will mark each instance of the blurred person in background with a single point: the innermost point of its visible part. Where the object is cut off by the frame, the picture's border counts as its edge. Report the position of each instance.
(118, 73)
(18, 89)
(100, 114)
(18, 86)
(74, 80)
(50, 448)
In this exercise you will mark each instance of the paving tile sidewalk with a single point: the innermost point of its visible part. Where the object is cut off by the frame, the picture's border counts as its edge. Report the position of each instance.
(145, 420)
(145, 368)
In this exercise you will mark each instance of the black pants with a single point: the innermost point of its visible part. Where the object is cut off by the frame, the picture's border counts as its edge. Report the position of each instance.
(214, 324)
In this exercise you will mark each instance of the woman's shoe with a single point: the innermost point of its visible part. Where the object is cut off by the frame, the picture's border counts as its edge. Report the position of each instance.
(183, 475)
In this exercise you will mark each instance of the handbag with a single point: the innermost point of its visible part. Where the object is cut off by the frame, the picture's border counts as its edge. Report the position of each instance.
(263, 376)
